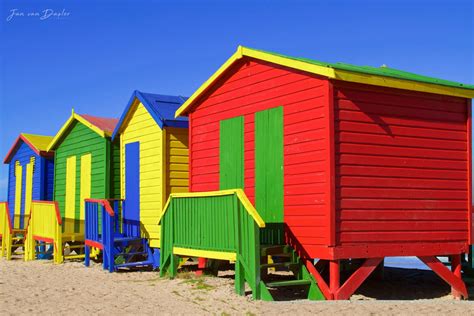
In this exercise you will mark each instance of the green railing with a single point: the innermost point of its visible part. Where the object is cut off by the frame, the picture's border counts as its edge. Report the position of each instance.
(216, 225)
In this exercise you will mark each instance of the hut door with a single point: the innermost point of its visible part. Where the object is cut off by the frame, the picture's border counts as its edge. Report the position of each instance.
(28, 189)
(131, 211)
(269, 173)
(86, 163)
(18, 194)
(70, 209)
(231, 154)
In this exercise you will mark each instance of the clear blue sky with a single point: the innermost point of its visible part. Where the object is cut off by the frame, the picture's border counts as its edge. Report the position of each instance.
(96, 56)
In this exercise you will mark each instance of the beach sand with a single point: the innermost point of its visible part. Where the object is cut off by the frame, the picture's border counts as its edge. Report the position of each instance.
(39, 287)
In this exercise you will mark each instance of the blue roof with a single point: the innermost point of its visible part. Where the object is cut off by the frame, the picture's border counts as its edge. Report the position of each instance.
(161, 107)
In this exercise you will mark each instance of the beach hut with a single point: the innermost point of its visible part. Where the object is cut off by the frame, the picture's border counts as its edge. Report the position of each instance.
(154, 163)
(30, 177)
(86, 166)
(341, 163)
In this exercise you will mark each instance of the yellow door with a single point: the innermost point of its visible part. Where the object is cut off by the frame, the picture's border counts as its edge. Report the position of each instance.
(70, 209)
(29, 188)
(86, 161)
(18, 193)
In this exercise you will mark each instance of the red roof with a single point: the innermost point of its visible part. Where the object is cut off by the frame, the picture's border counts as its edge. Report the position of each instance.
(105, 124)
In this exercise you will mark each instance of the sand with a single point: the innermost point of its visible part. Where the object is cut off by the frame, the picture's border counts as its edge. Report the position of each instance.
(39, 287)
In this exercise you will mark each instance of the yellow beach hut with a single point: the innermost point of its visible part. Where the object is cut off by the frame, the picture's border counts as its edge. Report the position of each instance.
(153, 159)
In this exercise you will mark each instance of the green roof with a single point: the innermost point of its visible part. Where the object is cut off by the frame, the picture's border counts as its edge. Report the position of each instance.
(379, 71)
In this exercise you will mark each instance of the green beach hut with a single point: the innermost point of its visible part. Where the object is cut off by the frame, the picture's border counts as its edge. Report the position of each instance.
(87, 165)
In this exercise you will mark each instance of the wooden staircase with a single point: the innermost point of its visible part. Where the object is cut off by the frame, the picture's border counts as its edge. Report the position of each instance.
(121, 248)
(295, 275)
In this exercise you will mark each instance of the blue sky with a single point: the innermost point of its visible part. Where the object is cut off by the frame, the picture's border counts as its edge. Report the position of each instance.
(93, 58)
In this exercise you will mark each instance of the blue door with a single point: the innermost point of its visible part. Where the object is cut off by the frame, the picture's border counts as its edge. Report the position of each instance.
(131, 211)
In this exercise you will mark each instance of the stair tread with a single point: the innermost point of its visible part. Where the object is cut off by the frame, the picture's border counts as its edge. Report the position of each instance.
(131, 253)
(134, 264)
(288, 283)
(278, 264)
(122, 239)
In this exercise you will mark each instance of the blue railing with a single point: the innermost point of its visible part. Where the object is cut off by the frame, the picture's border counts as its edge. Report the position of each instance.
(102, 225)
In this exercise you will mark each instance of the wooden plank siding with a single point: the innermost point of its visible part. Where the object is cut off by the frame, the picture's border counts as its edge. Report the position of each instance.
(401, 166)
(141, 127)
(177, 160)
(251, 87)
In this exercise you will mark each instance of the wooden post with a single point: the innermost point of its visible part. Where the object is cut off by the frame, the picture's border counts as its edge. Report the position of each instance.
(334, 275)
(202, 262)
(456, 269)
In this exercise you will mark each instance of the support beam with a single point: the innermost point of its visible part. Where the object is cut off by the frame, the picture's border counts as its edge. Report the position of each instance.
(449, 277)
(456, 270)
(202, 262)
(356, 279)
(321, 283)
(334, 275)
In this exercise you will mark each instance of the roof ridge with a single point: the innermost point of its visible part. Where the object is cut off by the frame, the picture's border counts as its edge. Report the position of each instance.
(381, 71)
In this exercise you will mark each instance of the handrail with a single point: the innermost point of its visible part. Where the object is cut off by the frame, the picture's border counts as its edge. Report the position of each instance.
(238, 192)
(45, 224)
(101, 227)
(7, 218)
(105, 203)
(56, 207)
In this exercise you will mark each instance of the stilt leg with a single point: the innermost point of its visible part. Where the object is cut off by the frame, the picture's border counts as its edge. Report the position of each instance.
(87, 254)
(451, 278)
(174, 261)
(239, 279)
(456, 269)
(334, 275)
(201, 265)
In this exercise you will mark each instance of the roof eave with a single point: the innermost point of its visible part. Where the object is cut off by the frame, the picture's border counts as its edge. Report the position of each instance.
(136, 94)
(74, 117)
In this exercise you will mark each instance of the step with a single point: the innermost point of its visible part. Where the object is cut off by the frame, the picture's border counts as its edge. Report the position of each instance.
(278, 265)
(134, 264)
(127, 239)
(129, 254)
(275, 250)
(288, 283)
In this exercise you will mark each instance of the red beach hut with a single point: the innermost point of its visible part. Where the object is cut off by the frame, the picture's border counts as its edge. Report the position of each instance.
(342, 162)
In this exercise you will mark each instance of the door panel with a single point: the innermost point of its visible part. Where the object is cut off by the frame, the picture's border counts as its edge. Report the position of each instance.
(70, 205)
(231, 155)
(131, 212)
(86, 163)
(18, 194)
(28, 189)
(269, 173)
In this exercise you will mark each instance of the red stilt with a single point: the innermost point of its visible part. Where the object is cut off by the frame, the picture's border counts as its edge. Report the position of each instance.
(456, 269)
(449, 277)
(201, 266)
(334, 275)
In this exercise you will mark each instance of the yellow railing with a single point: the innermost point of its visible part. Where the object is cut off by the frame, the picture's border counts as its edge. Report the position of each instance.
(45, 225)
(5, 229)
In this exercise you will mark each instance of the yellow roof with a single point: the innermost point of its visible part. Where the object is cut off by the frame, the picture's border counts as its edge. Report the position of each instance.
(40, 142)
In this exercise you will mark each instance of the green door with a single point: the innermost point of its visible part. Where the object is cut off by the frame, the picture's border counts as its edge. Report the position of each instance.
(269, 173)
(231, 154)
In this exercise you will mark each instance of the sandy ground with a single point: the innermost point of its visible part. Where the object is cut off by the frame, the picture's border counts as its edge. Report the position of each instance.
(39, 287)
